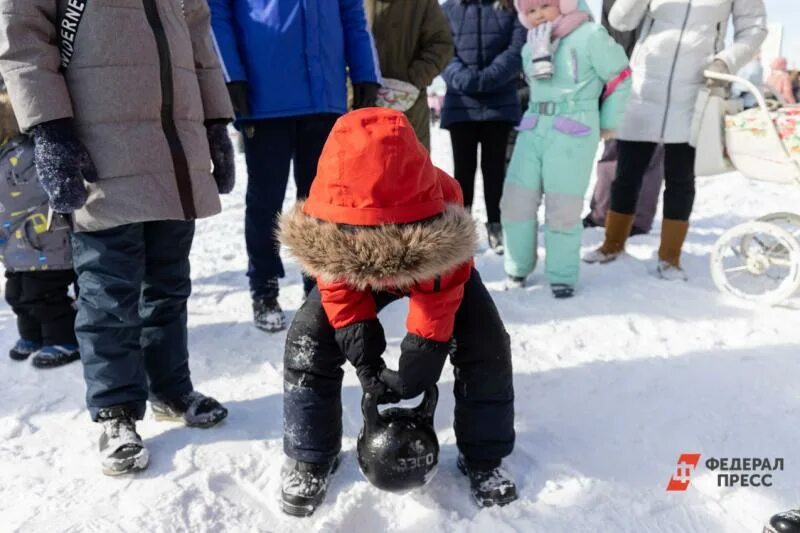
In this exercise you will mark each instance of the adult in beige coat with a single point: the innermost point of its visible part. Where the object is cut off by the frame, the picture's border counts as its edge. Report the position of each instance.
(127, 106)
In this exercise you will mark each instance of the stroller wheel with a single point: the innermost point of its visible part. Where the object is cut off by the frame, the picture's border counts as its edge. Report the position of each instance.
(758, 262)
(788, 221)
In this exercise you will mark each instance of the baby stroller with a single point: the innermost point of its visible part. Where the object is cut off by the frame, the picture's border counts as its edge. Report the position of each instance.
(759, 261)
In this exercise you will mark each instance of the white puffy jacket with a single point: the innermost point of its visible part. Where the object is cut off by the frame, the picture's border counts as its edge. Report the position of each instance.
(679, 39)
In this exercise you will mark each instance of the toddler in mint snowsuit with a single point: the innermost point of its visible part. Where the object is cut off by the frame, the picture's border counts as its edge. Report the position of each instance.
(579, 84)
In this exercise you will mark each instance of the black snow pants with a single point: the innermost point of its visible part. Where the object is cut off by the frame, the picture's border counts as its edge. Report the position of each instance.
(483, 388)
(44, 309)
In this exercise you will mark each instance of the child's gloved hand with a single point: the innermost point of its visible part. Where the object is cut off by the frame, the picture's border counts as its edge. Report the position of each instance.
(63, 164)
(421, 363)
(363, 344)
(542, 49)
(219, 143)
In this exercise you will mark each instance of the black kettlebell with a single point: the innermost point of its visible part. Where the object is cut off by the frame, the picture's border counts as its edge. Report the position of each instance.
(398, 449)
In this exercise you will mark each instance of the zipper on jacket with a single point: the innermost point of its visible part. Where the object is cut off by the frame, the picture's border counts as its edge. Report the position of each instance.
(672, 70)
(179, 161)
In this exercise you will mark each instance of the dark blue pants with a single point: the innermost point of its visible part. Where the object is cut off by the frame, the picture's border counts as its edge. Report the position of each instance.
(274, 145)
(131, 324)
(483, 388)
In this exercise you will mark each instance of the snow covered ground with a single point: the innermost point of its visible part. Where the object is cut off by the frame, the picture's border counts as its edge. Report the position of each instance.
(611, 387)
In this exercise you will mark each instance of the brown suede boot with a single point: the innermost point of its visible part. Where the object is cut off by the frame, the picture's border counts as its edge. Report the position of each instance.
(618, 228)
(673, 234)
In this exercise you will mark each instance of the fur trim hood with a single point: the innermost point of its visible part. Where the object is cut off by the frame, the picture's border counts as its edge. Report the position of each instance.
(8, 122)
(380, 257)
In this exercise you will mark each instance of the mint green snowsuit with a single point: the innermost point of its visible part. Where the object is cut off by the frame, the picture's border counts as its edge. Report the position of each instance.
(555, 151)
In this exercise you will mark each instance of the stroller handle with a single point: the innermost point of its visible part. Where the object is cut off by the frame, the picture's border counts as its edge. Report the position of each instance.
(750, 86)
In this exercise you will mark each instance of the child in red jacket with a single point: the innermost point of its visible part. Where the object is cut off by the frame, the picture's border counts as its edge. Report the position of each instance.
(382, 223)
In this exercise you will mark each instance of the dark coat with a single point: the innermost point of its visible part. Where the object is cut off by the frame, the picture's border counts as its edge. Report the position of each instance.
(482, 77)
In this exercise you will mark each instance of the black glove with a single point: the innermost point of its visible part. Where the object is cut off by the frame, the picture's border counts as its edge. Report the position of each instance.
(365, 95)
(241, 103)
(222, 156)
(363, 344)
(421, 363)
(63, 164)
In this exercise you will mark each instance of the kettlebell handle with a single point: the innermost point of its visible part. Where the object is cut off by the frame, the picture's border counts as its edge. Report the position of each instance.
(430, 400)
(369, 408)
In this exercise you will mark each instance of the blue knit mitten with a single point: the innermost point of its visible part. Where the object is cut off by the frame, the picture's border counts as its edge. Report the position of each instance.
(63, 164)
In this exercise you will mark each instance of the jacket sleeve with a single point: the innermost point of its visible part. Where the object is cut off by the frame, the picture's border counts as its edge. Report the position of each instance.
(433, 304)
(224, 32)
(345, 305)
(30, 61)
(610, 62)
(627, 15)
(461, 77)
(506, 67)
(750, 30)
(216, 101)
(359, 47)
(435, 47)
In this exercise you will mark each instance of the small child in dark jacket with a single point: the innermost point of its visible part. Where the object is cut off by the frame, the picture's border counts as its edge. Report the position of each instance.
(382, 223)
(37, 259)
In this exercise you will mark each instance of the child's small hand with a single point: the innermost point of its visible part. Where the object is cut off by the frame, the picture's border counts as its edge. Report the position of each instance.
(607, 134)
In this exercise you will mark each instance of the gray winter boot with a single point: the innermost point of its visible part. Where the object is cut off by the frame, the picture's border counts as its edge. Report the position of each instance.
(121, 448)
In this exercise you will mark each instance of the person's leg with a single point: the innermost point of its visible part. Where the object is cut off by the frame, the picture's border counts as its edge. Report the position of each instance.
(464, 139)
(493, 141)
(679, 191)
(28, 327)
(601, 197)
(110, 266)
(522, 195)
(483, 388)
(312, 132)
(647, 205)
(312, 386)
(165, 290)
(632, 162)
(47, 296)
(268, 153)
(566, 170)
(678, 201)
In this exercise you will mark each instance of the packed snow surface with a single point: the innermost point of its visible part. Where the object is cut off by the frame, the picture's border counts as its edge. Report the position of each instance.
(611, 387)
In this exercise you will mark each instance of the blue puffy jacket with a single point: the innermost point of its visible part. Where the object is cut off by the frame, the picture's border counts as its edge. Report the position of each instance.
(294, 53)
(483, 76)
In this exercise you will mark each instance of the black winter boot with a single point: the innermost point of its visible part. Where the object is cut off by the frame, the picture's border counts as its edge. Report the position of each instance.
(786, 522)
(494, 230)
(304, 487)
(562, 291)
(268, 315)
(121, 448)
(489, 483)
(23, 349)
(193, 409)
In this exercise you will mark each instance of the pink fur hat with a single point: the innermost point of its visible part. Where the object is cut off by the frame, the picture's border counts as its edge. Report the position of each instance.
(566, 6)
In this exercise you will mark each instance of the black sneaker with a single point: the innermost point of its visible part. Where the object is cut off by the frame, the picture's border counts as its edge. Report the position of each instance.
(637, 231)
(304, 487)
(56, 355)
(588, 222)
(490, 485)
(786, 522)
(268, 315)
(562, 290)
(494, 231)
(23, 349)
(515, 282)
(193, 409)
(121, 448)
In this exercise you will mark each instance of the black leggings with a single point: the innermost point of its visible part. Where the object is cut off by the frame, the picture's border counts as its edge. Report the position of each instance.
(634, 158)
(492, 138)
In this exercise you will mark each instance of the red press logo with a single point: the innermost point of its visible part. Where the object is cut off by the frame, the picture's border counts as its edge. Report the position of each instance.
(679, 482)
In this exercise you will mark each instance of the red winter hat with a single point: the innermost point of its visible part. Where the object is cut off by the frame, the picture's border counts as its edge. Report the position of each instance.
(374, 171)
